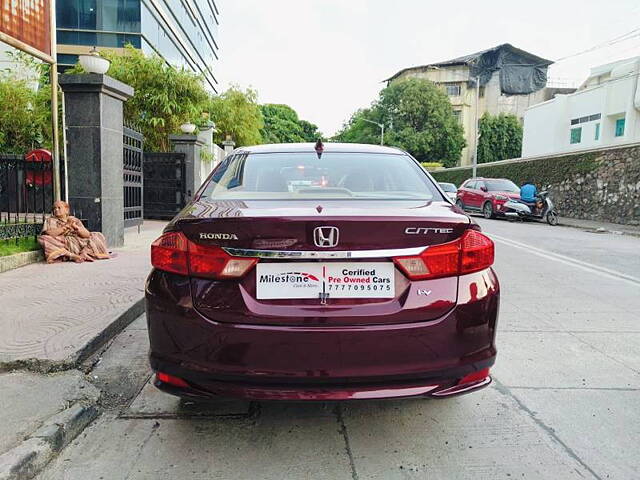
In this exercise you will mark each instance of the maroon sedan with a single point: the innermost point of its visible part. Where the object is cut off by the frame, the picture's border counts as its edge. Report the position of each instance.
(334, 272)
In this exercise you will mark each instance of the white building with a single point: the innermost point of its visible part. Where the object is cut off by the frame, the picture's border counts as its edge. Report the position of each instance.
(604, 111)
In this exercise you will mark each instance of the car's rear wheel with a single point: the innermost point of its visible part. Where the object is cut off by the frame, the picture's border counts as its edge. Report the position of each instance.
(487, 210)
(459, 204)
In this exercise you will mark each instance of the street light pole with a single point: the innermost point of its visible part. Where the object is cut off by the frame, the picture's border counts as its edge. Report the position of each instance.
(380, 125)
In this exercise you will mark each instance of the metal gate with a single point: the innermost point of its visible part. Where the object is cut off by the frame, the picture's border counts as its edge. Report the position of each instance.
(133, 177)
(164, 184)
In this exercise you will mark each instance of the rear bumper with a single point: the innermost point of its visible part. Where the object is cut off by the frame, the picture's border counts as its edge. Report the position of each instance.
(269, 362)
(203, 387)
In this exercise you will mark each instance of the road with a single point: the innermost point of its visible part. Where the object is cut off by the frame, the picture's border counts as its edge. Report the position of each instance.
(564, 402)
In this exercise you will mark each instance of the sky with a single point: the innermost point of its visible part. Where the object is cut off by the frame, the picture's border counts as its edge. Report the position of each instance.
(327, 58)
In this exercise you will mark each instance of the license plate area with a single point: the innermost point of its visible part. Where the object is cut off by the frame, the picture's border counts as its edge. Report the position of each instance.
(306, 280)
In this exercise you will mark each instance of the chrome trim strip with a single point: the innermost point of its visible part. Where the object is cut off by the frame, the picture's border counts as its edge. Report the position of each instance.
(304, 254)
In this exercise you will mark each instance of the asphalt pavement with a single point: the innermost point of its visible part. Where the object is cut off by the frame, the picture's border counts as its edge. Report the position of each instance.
(564, 402)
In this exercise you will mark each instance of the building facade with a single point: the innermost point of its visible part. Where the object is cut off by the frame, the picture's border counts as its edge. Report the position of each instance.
(183, 32)
(510, 80)
(604, 111)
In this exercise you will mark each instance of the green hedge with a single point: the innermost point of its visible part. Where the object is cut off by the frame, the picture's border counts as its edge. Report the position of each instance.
(543, 172)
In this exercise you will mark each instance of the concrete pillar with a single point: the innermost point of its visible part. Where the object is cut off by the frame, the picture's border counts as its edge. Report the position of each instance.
(190, 145)
(228, 145)
(93, 116)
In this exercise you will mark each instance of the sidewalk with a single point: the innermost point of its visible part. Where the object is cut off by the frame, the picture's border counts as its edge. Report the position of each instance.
(54, 316)
(603, 227)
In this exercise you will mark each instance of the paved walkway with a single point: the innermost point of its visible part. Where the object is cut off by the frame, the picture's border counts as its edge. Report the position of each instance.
(54, 315)
(601, 226)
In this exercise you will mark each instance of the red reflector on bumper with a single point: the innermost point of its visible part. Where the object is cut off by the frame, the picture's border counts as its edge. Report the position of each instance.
(171, 380)
(474, 377)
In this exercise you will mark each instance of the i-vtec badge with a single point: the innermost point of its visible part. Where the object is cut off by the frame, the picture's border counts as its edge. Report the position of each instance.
(426, 230)
(218, 236)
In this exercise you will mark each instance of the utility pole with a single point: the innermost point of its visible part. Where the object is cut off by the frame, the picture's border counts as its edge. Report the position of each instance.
(476, 129)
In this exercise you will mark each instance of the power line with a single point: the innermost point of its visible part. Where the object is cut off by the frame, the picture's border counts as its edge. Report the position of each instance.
(621, 38)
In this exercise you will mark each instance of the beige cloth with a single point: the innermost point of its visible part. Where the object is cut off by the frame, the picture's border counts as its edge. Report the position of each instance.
(59, 248)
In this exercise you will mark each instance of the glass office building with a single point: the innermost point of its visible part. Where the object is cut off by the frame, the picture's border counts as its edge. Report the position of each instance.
(183, 32)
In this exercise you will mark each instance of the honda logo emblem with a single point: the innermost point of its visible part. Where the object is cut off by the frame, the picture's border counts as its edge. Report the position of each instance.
(325, 236)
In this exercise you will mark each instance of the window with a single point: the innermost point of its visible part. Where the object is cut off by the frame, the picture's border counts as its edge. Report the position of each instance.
(452, 90)
(458, 115)
(576, 135)
(108, 15)
(481, 92)
(448, 187)
(587, 118)
(502, 186)
(620, 127)
(471, 185)
(597, 136)
(304, 176)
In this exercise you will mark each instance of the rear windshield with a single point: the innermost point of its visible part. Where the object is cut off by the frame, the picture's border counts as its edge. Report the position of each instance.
(344, 176)
(501, 186)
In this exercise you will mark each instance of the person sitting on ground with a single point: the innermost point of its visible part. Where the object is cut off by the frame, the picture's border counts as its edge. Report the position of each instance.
(64, 238)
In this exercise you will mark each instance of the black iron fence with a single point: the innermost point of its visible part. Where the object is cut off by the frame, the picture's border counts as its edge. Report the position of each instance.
(164, 184)
(133, 176)
(26, 194)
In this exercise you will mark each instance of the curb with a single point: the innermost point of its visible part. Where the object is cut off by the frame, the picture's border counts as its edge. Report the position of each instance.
(34, 453)
(17, 260)
(588, 228)
(92, 346)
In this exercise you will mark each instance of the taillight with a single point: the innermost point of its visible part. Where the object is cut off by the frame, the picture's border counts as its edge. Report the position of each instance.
(169, 253)
(477, 252)
(470, 253)
(214, 262)
(173, 252)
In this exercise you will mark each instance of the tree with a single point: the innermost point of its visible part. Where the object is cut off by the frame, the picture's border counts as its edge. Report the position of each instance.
(418, 118)
(356, 130)
(310, 131)
(164, 98)
(25, 106)
(282, 125)
(236, 113)
(500, 138)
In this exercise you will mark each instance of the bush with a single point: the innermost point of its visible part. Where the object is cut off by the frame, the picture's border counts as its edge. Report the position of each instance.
(544, 171)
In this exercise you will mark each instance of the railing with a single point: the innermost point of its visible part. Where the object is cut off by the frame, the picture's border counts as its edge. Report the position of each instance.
(164, 184)
(132, 176)
(26, 195)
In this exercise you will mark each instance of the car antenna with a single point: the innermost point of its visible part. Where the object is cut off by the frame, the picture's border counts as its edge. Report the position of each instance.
(319, 147)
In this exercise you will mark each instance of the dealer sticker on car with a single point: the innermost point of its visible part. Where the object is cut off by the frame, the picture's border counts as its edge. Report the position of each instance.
(338, 280)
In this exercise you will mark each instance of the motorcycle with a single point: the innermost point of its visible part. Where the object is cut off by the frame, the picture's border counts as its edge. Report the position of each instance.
(544, 210)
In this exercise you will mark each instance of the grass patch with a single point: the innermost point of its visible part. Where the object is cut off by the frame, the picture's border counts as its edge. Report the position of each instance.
(9, 247)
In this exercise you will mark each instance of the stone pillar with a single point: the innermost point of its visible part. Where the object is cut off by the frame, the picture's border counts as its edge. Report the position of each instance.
(190, 145)
(93, 115)
(228, 145)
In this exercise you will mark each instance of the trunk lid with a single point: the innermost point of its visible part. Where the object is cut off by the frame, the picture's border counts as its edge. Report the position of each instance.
(361, 225)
